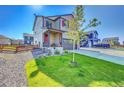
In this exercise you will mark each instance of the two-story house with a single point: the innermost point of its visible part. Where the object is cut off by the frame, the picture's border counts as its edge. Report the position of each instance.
(91, 38)
(50, 31)
(111, 40)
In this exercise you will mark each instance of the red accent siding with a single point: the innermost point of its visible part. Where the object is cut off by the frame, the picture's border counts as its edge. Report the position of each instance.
(62, 22)
(45, 38)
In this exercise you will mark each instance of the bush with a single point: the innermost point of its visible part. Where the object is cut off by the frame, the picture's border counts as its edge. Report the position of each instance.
(66, 51)
(53, 45)
(49, 52)
(57, 52)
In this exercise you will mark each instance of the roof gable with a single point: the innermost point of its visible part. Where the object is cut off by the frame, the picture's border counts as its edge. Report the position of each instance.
(3, 37)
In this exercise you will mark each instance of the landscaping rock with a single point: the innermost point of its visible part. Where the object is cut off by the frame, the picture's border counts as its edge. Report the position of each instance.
(12, 70)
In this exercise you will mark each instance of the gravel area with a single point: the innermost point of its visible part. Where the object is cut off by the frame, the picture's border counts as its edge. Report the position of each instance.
(12, 69)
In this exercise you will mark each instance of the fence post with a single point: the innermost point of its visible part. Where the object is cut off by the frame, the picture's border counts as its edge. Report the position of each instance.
(16, 49)
(0, 48)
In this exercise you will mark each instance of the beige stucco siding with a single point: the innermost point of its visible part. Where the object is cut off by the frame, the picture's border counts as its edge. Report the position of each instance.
(54, 38)
(38, 35)
(38, 24)
(57, 39)
(65, 28)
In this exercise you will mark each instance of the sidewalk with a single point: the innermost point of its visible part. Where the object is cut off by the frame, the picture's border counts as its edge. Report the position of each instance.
(107, 51)
(102, 55)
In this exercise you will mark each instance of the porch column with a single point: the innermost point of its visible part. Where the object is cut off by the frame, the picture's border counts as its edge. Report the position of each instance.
(42, 39)
(48, 38)
(62, 40)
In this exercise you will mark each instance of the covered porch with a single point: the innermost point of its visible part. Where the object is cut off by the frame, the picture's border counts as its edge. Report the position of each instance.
(52, 38)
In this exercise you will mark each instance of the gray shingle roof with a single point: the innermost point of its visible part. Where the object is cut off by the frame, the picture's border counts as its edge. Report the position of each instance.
(4, 37)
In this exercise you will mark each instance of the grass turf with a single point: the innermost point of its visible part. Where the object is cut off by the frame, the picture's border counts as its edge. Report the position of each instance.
(91, 72)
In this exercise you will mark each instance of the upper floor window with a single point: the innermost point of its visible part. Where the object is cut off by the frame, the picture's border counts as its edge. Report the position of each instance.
(48, 24)
(25, 37)
(65, 23)
(31, 38)
(91, 35)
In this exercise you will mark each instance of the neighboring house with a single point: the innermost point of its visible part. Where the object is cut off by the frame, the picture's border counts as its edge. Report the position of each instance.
(17, 42)
(50, 31)
(111, 41)
(5, 40)
(89, 39)
(28, 39)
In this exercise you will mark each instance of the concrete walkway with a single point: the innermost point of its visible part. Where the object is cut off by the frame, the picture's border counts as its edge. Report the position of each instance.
(118, 59)
(112, 52)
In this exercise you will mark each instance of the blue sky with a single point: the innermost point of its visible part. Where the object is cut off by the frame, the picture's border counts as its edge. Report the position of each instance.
(15, 20)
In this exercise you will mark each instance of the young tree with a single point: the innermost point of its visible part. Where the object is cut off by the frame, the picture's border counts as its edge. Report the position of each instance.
(73, 34)
(79, 16)
(77, 27)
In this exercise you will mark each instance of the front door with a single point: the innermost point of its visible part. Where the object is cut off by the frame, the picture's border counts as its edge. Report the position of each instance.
(45, 43)
(46, 38)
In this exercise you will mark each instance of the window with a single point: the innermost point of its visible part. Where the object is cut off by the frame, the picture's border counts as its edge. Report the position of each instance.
(31, 38)
(65, 23)
(39, 44)
(28, 42)
(35, 42)
(48, 24)
(25, 37)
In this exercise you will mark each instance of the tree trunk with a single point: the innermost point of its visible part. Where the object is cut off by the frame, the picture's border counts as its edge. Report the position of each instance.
(73, 49)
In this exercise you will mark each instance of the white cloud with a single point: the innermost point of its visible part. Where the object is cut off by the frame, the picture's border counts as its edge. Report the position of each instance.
(37, 8)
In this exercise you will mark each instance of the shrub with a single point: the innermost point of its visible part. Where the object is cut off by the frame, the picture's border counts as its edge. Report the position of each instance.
(57, 52)
(66, 51)
(53, 45)
(49, 53)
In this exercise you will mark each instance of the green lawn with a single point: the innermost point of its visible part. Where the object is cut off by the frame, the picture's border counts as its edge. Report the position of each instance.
(56, 71)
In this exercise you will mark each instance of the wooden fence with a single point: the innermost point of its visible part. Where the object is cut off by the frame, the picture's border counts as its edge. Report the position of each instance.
(17, 48)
